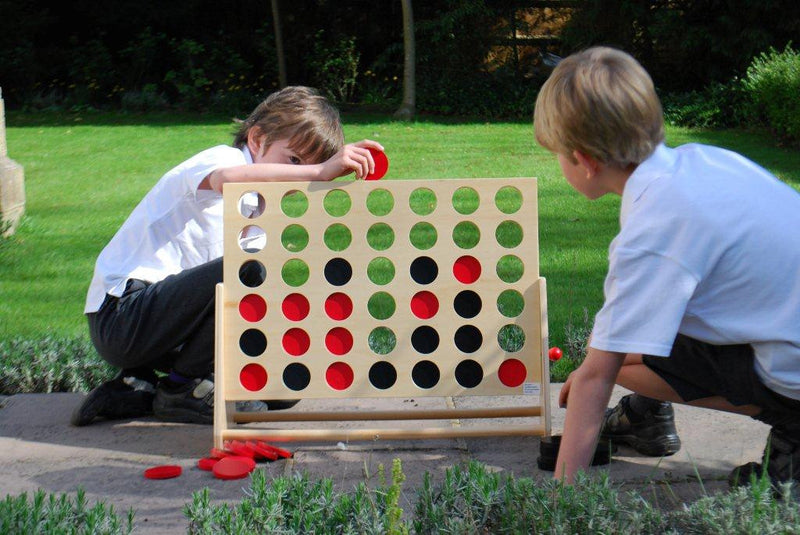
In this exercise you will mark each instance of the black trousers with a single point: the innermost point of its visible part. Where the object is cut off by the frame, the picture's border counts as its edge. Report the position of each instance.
(167, 325)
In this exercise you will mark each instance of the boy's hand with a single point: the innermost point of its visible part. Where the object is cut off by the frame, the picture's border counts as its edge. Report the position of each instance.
(354, 157)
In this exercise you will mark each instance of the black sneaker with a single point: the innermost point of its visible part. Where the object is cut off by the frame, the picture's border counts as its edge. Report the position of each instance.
(781, 457)
(652, 433)
(122, 397)
(192, 402)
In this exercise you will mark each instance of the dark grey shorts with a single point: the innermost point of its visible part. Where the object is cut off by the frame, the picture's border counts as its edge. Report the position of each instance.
(697, 370)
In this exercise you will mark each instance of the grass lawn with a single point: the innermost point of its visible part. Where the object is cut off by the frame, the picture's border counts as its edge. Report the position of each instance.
(84, 173)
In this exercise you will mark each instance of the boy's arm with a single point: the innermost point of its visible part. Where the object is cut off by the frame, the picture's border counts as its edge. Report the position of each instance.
(351, 158)
(588, 390)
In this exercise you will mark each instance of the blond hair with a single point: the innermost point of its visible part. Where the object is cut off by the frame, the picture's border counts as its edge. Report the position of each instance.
(301, 115)
(601, 102)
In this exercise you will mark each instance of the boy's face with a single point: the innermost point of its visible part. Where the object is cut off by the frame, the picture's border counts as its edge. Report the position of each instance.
(580, 178)
(278, 152)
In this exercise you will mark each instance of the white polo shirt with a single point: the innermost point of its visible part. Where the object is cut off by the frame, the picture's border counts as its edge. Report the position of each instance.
(175, 227)
(709, 246)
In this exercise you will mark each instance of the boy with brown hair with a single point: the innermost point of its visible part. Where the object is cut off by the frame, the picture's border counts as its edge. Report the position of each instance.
(702, 297)
(150, 305)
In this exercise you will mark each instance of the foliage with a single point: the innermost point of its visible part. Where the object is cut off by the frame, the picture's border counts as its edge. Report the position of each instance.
(773, 85)
(50, 514)
(717, 106)
(685, 44)
(50, 365)
(334, 65)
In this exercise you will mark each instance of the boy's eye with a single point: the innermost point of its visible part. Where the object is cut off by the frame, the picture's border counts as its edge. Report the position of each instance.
(294, 160)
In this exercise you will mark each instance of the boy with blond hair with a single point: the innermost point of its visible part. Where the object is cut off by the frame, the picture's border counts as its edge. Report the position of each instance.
(150, 305)
(702, 297)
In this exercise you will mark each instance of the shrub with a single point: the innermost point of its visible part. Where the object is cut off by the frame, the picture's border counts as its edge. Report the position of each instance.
(50, 365)
(60, 514)
(773, 86)
(334, 66)
(717, 106)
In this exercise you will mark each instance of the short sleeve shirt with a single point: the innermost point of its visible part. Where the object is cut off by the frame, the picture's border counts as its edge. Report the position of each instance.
(175, 227)
(709, 246)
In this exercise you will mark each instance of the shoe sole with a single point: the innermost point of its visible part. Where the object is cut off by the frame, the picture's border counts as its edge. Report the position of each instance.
(662, 447)
(88, 410)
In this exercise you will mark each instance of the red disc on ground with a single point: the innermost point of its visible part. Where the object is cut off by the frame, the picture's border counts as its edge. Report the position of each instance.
(207, 463)
(424, 305)
(240, 448)
(467, 269)
(512, 373)
(279, 451)
(233, 467)
(217, 453)
(295, 307)
(262, 452)
(296, 342)
(339, 341)
(381, 165)
(252, 307)
(253, 377)
(339, 375)
(166, 471)
(338, 306)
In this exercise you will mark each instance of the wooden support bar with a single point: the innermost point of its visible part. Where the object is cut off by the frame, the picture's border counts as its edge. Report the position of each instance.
(421, 414)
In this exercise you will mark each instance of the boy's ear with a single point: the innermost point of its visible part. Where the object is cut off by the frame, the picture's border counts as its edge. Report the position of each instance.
(588, 162)
(255, 141)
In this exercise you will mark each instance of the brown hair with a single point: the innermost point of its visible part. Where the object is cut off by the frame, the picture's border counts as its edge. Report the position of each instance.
(301, 115)
(601, 102)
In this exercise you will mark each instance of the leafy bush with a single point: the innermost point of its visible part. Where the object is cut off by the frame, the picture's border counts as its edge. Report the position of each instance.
(773, 86)
(717, 106)
(48, 514)
(334, 66)
(50, 365)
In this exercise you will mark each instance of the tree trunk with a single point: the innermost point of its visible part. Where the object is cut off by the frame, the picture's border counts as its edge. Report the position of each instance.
(276, 18)
(408, 107)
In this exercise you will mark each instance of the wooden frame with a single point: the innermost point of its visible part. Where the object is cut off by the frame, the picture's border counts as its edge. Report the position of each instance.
(430, 246)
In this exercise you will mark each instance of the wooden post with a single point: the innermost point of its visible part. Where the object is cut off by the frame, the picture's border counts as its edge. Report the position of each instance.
(12, 183)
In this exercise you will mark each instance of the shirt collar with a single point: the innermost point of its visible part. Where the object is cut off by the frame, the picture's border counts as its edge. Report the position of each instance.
(247, 156)
(659, 163)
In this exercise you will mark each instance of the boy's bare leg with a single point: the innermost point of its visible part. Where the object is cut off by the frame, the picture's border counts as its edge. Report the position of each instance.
(637, 377)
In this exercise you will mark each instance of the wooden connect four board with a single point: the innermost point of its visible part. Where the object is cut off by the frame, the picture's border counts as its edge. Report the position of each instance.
(392, 289)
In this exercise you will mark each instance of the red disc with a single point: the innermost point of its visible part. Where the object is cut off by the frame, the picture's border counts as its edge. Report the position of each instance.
(217, 453)
(338, 306)
(339, 341)
(253, 377)
(278, 451)
(339, 375)
(252, 308)
(233, 467)
(262, 452)
(295, 307)
(166, 471)
(381, 165)
(240, 448)
(512, 373)
(207, 463)
(296, 342)
(424, 305)
(555, 353)
(467, 269)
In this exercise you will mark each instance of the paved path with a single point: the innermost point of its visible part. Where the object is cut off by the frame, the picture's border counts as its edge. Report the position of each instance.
(41, 450)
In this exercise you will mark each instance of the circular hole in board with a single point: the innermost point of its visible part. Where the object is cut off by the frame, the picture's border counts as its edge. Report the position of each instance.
(380, 271)
(294, 238)
(252, 239)
(467, 269)
(382, 375)
(424, 305)
(381, 306)
(425, 374)
(425, 339)
(380, 202)
(294, 203)
(511, 338)
(295, 272)
(508, 234)
(510, 268)
(252, 308)
(339, 376)
(337, 237)
(508, 199)
(380, 236)
(424, 270)
(252, 342)
(295, 307)
(296, 342)
(337, 202)
(253, 377)
(382, 340)
(252, 273)
(422, 201)
(466, 235)
(296, 376)
(423, 235)
(251, 204)
(338, 306)
(512, 373)
(469, 373)
(466, 200)
(510, 303)
(467, 304)
(339, 341)
(468, 338)
(338, 271)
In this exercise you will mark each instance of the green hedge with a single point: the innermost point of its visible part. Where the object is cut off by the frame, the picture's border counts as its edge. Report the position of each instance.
(773, 86)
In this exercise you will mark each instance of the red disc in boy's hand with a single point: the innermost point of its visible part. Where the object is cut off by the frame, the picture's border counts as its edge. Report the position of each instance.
(381, 165)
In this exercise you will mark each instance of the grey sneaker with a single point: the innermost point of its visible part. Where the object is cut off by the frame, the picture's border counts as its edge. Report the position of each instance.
(652, 434)
(192, 402)
(122, 397)
(781, 458)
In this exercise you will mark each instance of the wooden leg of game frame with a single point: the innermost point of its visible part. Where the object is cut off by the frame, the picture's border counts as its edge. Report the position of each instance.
(223, 417)
(541, 287)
